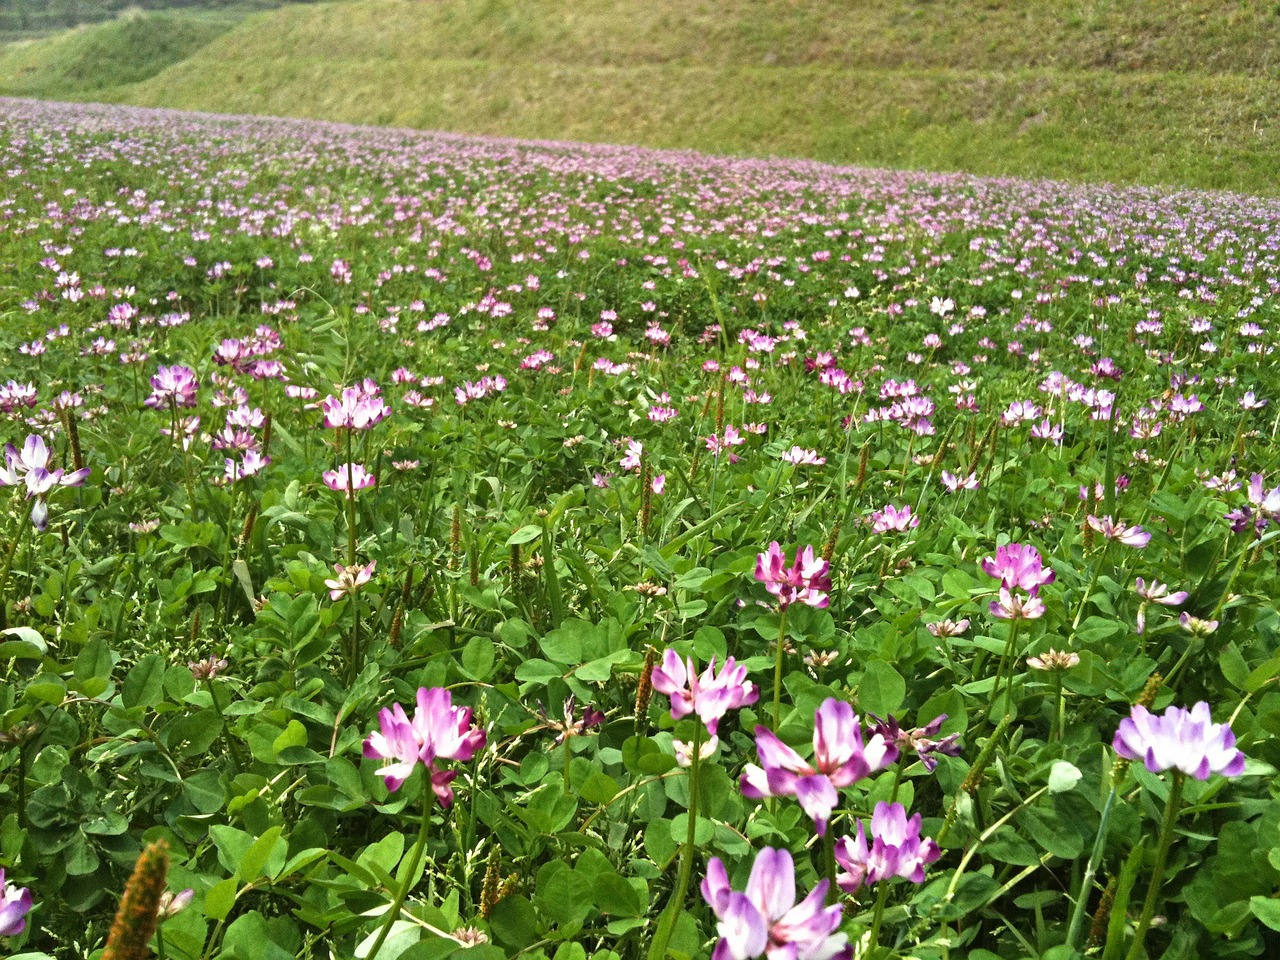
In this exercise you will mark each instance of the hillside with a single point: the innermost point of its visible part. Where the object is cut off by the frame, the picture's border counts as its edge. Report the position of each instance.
(1133, 90)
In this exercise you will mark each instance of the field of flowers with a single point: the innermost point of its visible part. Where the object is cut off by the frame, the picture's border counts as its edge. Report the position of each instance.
(417, 546)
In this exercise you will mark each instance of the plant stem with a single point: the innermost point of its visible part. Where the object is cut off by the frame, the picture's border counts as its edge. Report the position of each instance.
(1005, 659)
(1095, 855)
(882, 894)
(777, 668)
(1157, 874)
(667, 922)
(415, 860)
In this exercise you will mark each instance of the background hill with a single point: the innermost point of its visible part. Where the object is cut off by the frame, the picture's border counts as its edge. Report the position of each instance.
(1155, 91)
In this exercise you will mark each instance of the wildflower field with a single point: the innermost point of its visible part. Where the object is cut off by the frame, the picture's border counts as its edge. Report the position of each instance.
(419, 546)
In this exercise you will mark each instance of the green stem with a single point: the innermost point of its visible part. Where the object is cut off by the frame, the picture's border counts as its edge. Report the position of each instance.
(777, 668)
(1005, 659)
(829, 864)
(667, 922)
(568, 756)
(873, 939)
(1157, 874)
(415, 860)
(1058, 728)
(1095, 856)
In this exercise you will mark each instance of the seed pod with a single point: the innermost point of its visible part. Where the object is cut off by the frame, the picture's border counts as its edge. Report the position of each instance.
(644, 689)
(829, 549)
(862, 465)
(136, 918)
(1102, 916)
(489, 892)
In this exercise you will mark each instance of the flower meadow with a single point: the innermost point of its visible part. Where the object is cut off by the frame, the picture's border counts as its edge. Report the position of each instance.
(422, 546)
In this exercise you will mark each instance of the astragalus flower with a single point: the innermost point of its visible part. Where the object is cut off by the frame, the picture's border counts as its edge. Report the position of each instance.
(357, 408)
(15, 904)
(896, 850)
(348, 478)
(30, 467)
(349, 580)
(1118, 530)
(1155, 592)
(437, 731)
(765, 920)
(893, 518)
(806, 580)
(710, 695)
(840, 758)
(1014, 606)
(176, 385)
(1180, 739)
(1018, 566)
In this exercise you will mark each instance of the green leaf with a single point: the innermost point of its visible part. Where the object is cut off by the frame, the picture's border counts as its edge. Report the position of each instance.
(1063, 776)
(882, 689)
(144, 684)
(258, 855)
(221, 898)
(29, 645)
(1266, 909)
(526, 534)
(477, 658)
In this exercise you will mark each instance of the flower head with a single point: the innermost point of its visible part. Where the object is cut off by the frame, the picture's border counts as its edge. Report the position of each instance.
(348, 478)
(806, 580)
(919, 739)
(840, 758)
(1133, 536)
(358, 408)
(349, 580)
(176, 384)
(896, 850)
(1018, 566)
(765, 920)
(15, 904)
(1185, 740)
(437, 731)
(710, 695)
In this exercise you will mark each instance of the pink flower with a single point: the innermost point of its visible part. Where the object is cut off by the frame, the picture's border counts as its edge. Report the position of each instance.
(1186, 740)
(659, 484)
(176, 384)
(359, 408)
(801, 456)
(15, 904)
(349, 580)
(635, 450)
(766, 920)
(1013, 606)
(839, 759)
(806, 580)
(348, 478)
(710, 695)
(438, 731)
(897, 850)
(893, 518)
(1018, 566)
(1133, 536)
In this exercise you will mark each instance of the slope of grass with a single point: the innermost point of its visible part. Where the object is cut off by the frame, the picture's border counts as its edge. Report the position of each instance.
(89, 59)
(1137, 90)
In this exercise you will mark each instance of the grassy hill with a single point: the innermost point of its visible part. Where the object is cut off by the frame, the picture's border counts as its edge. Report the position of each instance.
(1157, 91)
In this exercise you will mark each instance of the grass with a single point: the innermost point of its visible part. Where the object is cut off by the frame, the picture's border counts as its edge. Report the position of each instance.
(1130, 90)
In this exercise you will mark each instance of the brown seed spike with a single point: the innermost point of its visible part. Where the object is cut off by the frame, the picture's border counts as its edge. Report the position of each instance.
(136, 918)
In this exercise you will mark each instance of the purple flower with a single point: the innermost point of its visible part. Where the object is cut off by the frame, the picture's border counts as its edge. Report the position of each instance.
(30, 466)
(893, 518)
(1013, 606)
(1157, 592)
(359, 408)
(1018, 566)
(766, 920)
(839, 759)
(1186, 740)
(806, 580)
(15, 904)
(349, 579)
(919, 739)
(348, 478)
(896, 850)
(176, 385)
(1133, 536)
(710, 695)
(438, 731)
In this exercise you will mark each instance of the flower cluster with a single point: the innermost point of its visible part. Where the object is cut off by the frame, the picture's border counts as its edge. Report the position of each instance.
(896, 850)
(358, 408)
(840, 758)
(1180, 739)
(710, 695)
(1018, 567)
(438, 731)
(766, 920)
(30, 467)
(807, 580)
(175, 385)
(15, 904)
